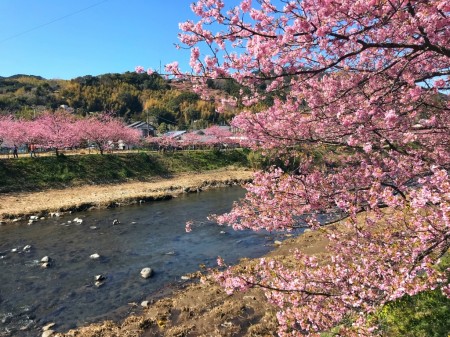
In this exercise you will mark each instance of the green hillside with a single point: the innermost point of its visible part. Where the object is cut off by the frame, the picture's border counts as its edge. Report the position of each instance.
(129, 95)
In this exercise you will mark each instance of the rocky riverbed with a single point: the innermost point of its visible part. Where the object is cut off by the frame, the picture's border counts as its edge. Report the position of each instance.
(195, 309)
(203, 308)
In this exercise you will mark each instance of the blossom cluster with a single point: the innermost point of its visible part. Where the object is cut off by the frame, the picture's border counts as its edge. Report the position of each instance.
(367, 81)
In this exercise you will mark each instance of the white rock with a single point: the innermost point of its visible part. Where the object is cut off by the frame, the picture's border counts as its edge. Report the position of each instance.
(115, 222)
(27, 247)
(45, 265)
(99, 277)
(48, 326)
(222, 232)
(47, 333)
(146, 272)
(144, 304)
(33, 217)
(307, 230)
(78, 220)
(93, 227)
(278, 243)
(45, 259)
(30, 222)
(98, 283)
(42, 218)
(94, 256)
(185, 278)
(13, 250)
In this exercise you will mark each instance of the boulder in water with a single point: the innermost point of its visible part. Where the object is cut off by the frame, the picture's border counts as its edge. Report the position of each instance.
(47, 333)
(100, 277)
(48, 326)
(146, 272)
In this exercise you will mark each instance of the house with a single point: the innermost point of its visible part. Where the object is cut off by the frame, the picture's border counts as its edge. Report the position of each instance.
(145, 128)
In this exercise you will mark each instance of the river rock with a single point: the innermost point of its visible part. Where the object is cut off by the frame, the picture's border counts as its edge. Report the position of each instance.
(98, 284)
(115, 222)
(78, 220)
(100, 277)
(146, 272)
(94, 256)
(48, 326)
(277, 242)
(45, 262)
(144, 304)
(33, 217)
(47, 333)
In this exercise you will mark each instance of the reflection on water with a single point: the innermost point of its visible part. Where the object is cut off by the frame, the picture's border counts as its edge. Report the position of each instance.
(150, 235)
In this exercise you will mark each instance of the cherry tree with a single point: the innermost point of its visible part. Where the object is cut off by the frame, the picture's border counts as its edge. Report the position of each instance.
(369, 81)
(104, 131)
(219, 135)
(14, 131)
(191, 140)
(165, 142)
(55, 130)
(5, 126)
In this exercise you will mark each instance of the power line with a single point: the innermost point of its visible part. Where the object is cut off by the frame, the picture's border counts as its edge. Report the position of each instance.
(53, 21)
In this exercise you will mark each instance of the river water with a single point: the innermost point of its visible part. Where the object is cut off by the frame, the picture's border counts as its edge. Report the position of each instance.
(149, 235)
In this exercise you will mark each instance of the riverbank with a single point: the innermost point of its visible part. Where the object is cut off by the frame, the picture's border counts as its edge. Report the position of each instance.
(197, 309)
(203, 308)
(20, 205)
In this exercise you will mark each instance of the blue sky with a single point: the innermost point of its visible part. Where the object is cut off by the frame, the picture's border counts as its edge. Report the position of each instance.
(65, 39)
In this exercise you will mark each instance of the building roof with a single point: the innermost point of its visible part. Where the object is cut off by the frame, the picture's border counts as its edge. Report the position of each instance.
(141, 125)
(174, 134)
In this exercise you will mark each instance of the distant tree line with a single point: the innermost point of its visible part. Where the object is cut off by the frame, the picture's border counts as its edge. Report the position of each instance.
(130, 96)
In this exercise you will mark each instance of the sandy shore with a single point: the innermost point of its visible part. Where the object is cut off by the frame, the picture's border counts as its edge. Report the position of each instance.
(15, 206)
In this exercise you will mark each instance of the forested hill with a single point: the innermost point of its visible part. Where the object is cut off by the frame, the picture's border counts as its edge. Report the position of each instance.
(130, 95)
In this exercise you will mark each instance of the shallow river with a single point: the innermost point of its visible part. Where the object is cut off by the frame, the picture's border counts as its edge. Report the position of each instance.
(149, 235)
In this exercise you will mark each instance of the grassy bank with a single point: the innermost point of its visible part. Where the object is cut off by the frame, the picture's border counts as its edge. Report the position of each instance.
(32, 174)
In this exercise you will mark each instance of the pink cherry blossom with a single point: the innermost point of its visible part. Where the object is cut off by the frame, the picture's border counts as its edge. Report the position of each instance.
(365, 80)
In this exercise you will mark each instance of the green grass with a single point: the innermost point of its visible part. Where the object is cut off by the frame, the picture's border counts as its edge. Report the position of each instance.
(26, 174)
(426, 314)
